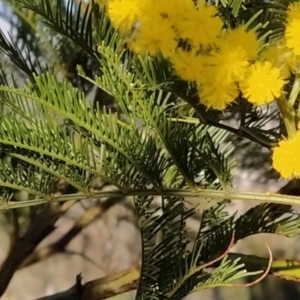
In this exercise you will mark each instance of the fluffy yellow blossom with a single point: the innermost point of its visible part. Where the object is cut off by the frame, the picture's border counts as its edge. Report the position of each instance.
(292, 35)
(242, 38)
(286, 157)
(174, 9)
(227, 64)
(262, 84)
(282, 58)
(200, 26)
(231, 56)
(124, 14)
(155, 35)
(293, 11)
(188, 65)
(217, 96)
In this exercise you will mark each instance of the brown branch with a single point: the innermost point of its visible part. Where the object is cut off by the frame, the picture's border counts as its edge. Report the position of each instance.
(39, 227)
(84, 256)
(59, 246)
(16, 228)
(128, 280)
(102, 288)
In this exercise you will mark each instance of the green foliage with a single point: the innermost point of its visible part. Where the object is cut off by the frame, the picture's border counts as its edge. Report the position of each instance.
(49, 132)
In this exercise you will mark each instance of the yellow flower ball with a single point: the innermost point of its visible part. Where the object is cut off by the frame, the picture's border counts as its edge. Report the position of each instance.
(173, 9)
(293, 11)
(124, 14)
(227, 64)
(243, 38)
(153, 36)
(262, 84)
(200, 26)
(217, 96)
(281, 57)
(292, 35)
(286, 157)
(188, 65)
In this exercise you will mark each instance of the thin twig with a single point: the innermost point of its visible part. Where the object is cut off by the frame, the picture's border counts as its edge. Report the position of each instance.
(102, 288)
(16, 228)
(205, 193)
(128, 280)
(263, 276)
(84, 256)
(40, 227)
(201, 267)
(60, 245)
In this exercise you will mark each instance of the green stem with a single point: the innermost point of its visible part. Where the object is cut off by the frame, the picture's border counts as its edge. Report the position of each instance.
(259, 139)
(295, 90)
(213, 194)
(208, 121)
(288, 115)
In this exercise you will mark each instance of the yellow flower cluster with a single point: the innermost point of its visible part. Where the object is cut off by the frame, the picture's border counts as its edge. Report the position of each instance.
(292, 32)
(286, 157)
(157, 26)
(223, 63)
(286, 56)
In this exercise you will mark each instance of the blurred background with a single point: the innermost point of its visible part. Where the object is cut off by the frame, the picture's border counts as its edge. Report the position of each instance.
(110, 241)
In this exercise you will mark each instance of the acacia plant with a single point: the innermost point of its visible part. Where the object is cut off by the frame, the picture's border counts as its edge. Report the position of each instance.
(167, 75)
